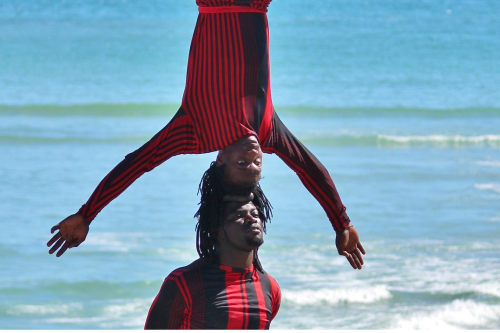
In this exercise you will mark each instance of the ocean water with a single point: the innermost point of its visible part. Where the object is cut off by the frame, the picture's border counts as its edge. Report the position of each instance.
(400, 100)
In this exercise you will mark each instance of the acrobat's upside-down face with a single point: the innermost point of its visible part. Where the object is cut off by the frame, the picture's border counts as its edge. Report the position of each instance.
(242, 160)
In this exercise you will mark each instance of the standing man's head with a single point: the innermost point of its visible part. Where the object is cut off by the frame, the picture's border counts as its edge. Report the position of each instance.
(241, 162)
(227, 221)
(241, 227)
(240, 235)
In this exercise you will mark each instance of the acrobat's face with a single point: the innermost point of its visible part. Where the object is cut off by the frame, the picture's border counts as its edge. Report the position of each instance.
(241, 227)
(242, 160)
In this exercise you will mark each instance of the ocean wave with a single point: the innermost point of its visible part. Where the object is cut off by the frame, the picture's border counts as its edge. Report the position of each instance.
(458, 314)
(455, 140)
(489, 163)
(450, 288)
(334, 296)
(390, 111)
(495, 187)
(40, 139)
(116, 242)
(134, 322)
(84, 289)
(323, 139)
(180, 249)
(494, 218)
(27, 309)
(159, 109)
(94, 110)
(131, 307)
(389, 141)
(488, 288)
(124, 313)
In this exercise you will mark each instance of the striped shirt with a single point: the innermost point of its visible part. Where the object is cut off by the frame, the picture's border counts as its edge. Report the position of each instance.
(227, 97)
(212, 296)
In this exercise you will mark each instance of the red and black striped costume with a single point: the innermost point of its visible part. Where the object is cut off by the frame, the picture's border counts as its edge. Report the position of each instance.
(227, 96)
(212, 296)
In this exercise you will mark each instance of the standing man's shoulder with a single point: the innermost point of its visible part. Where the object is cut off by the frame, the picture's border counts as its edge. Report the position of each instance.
(274, 284)
(269, 283)
(181, 271)
(272, 290)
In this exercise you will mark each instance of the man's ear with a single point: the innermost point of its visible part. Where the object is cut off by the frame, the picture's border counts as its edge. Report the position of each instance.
(221, 158)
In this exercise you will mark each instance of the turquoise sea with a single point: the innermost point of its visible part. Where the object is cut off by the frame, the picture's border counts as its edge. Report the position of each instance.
(399, 99)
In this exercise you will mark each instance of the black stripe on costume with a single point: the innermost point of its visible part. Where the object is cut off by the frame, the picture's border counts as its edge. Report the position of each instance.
(253, 303)
(259, 25)
(244, 302)
(215, 295)
(266, 287)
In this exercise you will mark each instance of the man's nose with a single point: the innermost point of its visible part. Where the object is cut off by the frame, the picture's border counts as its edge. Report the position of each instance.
(250, 219)
(252, 152)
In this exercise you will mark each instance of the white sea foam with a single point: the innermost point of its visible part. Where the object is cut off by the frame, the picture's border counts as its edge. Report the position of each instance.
(333, 296)
(495, 187)
(495, 218)
(456, 315)
(45, 309)
(435, 267)
(442, 139)
(489, 163)
(116, 242)
(182, 254)
(469, 284)
(462, 275)
(488, 288)
(128, 308)
(129, 313)
(419, 269)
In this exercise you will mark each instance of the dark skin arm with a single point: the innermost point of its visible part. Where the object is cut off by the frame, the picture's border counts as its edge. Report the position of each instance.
(74, 229)
(72, 232)
(349, 246)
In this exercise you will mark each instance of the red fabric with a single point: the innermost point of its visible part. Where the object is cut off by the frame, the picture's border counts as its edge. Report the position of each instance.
(222, 298)
(230, 9)
(262, 304)
(256, 4)
(236, 300)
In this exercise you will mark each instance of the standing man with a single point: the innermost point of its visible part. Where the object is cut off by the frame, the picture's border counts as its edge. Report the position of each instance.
(226, 288)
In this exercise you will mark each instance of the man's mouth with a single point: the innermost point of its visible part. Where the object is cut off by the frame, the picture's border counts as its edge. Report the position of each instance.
(255, 230)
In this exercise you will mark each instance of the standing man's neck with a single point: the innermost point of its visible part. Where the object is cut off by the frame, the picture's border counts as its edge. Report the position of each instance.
(235, 258)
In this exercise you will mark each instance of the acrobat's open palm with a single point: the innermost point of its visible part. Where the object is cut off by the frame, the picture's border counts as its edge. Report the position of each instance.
(72, 232)
(349, 246)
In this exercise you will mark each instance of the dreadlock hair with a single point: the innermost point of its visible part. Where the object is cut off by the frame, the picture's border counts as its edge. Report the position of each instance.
(213, 186)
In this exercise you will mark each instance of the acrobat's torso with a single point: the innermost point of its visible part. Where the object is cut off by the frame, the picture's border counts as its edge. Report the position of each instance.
(228, 93)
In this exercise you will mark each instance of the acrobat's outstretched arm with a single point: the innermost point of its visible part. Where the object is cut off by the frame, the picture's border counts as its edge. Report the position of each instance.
(178, 137)
(318, 182)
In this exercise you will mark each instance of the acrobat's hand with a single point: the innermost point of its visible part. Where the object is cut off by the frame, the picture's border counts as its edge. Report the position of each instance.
(72, 232)
(349, 246)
